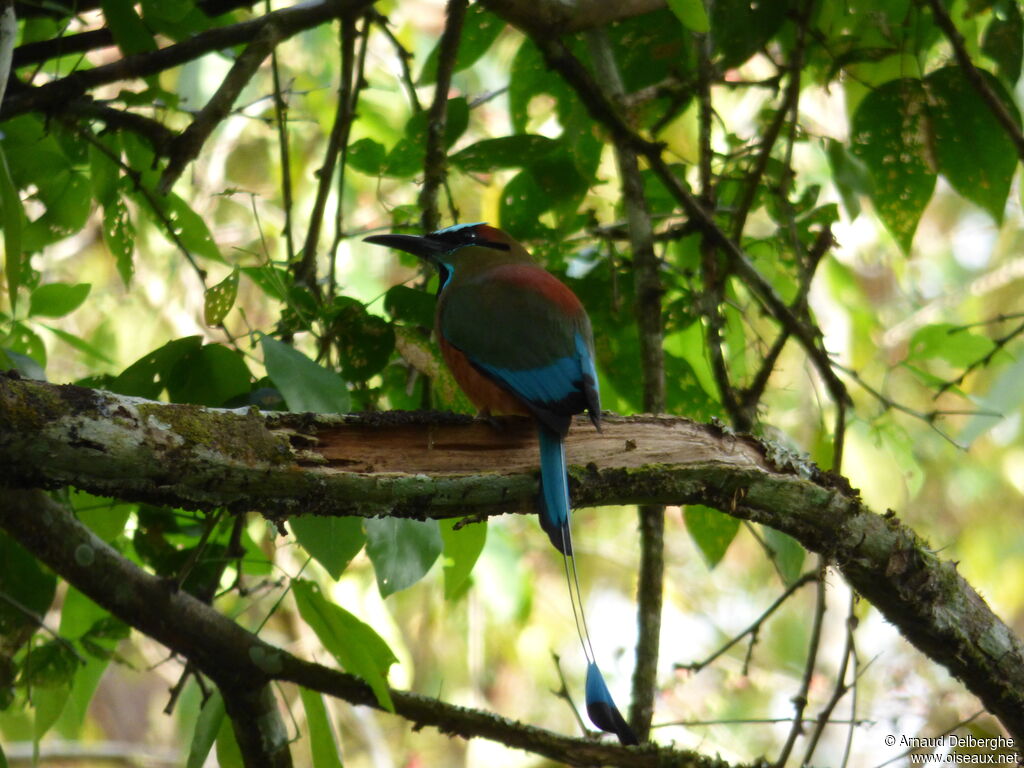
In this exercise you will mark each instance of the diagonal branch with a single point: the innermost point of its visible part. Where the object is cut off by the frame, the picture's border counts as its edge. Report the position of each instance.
(243, 665)
(289, 21)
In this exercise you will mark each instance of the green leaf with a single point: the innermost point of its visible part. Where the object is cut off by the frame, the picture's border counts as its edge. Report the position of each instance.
(410, 306)
(462, 548)
(130, 34)
(712, 531)
(190, 229)
(1004, 40)
(972, 149)
(119, 236)
(406, 158)
(956, 346)
(787, 552)
(691, 13)
(23, 580)
(12, 216)
(80, 344)
(740, 28)
(401, 550)
(890, 136)
(357, 648)
(323, 743)
(304, 385)
(57, 299)
(48, 704)
(849, 175)
(506, 152)
(147, 376)
(331, 541)
(50, 665)
(210, 375)
(366, 156)
(220, 298)
(364, 341)
(205, 733)
(480, 28)
(229, 755)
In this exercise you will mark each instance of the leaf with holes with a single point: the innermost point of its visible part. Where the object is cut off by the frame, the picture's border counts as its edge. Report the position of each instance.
(480, 29)
(889, 133)
(972, 149)
(220, 298)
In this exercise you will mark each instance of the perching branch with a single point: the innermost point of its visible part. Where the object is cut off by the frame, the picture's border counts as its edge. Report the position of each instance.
(431, 465)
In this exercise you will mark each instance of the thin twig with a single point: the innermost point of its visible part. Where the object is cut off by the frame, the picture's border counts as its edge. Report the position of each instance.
(841, 687)
(805, 578)
(800, 700)
(435, 159)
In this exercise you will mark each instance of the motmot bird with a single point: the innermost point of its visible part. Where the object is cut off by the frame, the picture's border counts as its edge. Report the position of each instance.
(519, 342)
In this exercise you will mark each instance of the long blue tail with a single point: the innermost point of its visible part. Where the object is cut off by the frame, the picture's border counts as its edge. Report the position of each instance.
(554, 519)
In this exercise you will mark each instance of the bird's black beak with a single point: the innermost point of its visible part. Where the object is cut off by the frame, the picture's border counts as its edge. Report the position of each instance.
(423, 247)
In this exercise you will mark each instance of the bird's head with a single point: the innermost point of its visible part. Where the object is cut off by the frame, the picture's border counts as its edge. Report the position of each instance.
(458, 248)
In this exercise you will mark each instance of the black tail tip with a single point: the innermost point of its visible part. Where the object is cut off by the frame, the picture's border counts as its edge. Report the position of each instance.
(608, 718)
(602, 710)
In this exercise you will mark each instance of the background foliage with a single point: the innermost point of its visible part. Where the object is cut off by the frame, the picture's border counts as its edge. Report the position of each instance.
(862, 154)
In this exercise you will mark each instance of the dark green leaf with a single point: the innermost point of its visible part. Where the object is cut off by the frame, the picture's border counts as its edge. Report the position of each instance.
(210, 375)
(304, 385)
(972, 149)
(462, 548)
(49, 665)
(401, 550)
(410, 306)
(523, 201)
(57, 299)
(119, 235)
(711, 530)
(220, 298)
(12, 217)
(130, 34)
(273, 281)
(364, 341)
(367, 156)
(147, 376)
(406, 158)
(322, 742)
(480, 28)
(1004, 40)
(331, 541)
(740, 28)
(357, 648)
(890, 135)
(23, 580)
(507, 152)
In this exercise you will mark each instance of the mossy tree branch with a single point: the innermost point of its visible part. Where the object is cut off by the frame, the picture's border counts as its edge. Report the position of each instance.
(436, 465)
